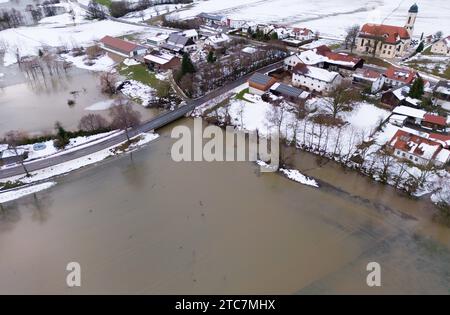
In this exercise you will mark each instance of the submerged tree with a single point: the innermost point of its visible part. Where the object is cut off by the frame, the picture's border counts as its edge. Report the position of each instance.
(124, 116)
(14, 139)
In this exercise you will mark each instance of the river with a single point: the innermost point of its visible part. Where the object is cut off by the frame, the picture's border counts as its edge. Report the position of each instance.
(143, 223)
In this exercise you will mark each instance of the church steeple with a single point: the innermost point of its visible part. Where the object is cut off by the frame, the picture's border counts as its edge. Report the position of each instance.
(411, 20)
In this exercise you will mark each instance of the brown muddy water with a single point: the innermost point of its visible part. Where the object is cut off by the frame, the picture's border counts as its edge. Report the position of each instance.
(142, 223)
(35, 106)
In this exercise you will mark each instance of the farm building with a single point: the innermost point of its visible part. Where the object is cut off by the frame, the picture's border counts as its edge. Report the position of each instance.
(260, 83)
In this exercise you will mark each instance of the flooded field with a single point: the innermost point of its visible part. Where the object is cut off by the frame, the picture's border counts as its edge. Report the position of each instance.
(35, 106)
(142, 223)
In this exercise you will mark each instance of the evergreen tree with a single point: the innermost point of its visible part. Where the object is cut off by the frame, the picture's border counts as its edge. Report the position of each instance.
(211, 58)
(420, 47)
(186, 65)
(417, 88)
(274, 36)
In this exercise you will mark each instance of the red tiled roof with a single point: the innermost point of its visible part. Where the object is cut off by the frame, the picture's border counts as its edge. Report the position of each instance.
(406, 141)
(326, 52)
(401, 74)
(302, 31)
(435, 119)
(119, 44)
(368, 73)
(390, 32)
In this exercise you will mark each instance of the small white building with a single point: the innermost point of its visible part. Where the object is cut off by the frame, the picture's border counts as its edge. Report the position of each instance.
(373, 79)
(192, 34)
(157, 40)
(217, 41)
(315, 79)
(441, 47)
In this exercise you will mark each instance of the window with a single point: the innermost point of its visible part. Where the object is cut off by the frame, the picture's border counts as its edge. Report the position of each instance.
(416, 159)
(403, 154)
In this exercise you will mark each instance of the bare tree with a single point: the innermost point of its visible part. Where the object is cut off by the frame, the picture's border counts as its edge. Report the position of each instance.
(352, 35)
(92, 122)
(341, 98)
(14, 138)
(108, 82)
(124, 116)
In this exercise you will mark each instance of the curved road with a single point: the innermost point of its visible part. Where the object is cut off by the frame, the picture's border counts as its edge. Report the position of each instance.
(155, 123)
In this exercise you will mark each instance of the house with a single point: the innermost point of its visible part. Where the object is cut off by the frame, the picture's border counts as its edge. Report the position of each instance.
(237, 24)
(121, 47)
(162, 61)
(217, 41)
(399, 76)
(441, 94)
(441, 47)
(192, 34)
(302, 34)
(417, 149)
(179, 44)
(434, 122)
(315, 79)
(282, 32)
(290, 93)
(370, 78)
(323, 57)
(157, 40)
(212, 19)
(413, 115)
(387, 41)
(260, 83)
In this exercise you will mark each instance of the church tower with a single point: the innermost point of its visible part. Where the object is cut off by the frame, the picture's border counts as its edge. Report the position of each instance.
(412, 14)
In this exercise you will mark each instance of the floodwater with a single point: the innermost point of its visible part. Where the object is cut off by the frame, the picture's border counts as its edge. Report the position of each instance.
(142, 223)
(35, 106)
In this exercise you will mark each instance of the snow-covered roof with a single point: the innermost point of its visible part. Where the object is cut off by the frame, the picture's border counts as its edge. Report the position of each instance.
(398, 117)
(409, 111)
(190, 33)
(324, 54)
(443, 90)
(160, 58)
(249, 50)
(315, 73)
(443, 156)
(220, 38)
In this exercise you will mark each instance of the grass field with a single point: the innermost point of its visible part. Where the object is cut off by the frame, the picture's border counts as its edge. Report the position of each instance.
(106, 3)
(141, 74)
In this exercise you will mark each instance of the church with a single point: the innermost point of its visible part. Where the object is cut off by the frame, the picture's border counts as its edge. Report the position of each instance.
(387, 41)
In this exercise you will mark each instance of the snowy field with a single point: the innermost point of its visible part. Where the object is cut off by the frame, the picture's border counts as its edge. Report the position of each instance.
(330, 17)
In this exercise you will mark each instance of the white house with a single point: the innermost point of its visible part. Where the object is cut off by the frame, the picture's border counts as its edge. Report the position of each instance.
(192, 34)
(217, 41)
(441, 47)
(371, 78)
(315, 79)
(157, 40)
(302, 34)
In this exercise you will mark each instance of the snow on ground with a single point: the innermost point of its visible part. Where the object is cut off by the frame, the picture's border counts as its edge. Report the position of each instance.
(45, 149)
(130, 62)
(102, 64)
(147, 14)
(18, 193)
(65, 19)
(320, 42)
(28, 40)
(298, 177)
(139, 91)
(330, 17)
(64, 168)
(102, 105)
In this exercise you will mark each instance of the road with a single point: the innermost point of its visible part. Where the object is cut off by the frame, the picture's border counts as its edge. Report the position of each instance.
(153, 124)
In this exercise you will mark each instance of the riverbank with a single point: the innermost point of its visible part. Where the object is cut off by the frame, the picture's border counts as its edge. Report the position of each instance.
(36, 181)
(355, 138)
